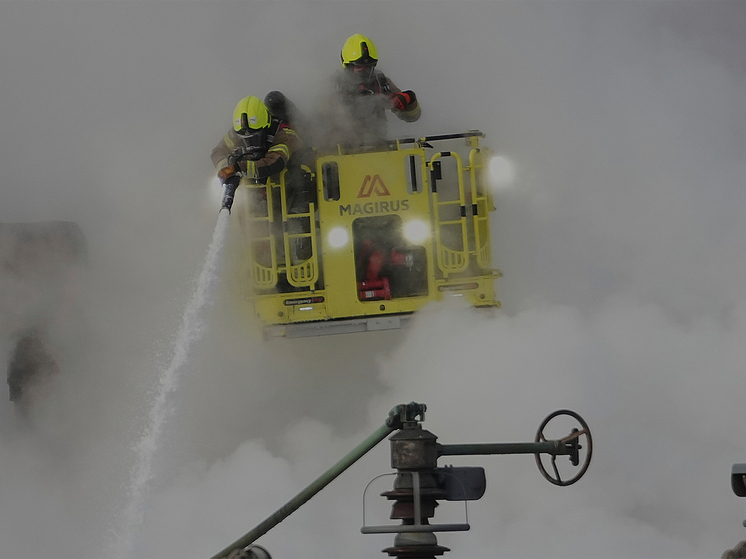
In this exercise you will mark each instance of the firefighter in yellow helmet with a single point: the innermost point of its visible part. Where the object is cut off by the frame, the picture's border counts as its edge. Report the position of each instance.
(258, 146)
(356, 113)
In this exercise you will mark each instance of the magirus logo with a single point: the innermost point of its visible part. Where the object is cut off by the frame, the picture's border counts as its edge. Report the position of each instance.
(372, 185)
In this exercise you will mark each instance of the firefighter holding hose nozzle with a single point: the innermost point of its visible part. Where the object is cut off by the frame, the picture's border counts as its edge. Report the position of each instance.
(258, 146)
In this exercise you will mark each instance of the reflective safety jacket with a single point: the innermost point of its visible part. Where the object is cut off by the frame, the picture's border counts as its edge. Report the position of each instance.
(351, 91)
(356, 112)
(280, 143)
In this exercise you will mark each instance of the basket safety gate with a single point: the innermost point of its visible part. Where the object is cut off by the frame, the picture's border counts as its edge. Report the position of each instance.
(455, 259)
(268, 262)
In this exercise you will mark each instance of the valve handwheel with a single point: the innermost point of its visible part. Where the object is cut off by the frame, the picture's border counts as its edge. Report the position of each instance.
(571, 445)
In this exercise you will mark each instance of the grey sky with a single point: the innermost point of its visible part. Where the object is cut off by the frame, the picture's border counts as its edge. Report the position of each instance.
(622, 242)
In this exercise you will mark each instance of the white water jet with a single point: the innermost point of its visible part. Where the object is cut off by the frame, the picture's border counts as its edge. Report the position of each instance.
(190, 330)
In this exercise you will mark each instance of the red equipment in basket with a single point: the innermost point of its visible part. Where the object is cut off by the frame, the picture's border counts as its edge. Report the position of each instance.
(374, 289)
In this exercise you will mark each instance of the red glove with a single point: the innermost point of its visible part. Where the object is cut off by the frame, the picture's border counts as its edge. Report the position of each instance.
(401, 100)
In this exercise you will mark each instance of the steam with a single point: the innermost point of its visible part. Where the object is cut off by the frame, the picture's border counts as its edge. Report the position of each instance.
(621, 242)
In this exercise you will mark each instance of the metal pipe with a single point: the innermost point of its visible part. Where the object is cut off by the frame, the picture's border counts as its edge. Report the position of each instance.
(470, 134)
(417, 499)
(306, 494)
(544, 447)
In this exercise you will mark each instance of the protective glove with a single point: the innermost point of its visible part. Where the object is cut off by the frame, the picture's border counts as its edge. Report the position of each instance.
(227, 173)
(400, 101)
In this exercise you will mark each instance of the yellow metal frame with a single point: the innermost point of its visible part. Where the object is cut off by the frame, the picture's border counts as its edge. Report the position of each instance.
(378, 185)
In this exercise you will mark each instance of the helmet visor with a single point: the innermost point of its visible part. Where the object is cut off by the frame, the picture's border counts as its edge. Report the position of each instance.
(363, 72)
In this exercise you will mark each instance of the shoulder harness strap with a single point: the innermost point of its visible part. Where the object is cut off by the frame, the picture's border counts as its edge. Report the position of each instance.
(274, 127)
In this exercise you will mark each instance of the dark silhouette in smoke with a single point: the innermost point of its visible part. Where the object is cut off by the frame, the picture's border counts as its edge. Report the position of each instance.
(39, 268)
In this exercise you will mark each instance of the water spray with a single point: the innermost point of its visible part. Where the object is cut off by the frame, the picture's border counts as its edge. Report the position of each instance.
(190, 330)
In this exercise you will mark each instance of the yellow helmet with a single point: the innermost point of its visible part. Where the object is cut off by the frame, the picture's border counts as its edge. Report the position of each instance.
(359, 50)
(250, 115)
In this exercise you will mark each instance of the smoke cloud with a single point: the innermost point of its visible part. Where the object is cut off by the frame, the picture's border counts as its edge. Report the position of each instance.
(621, 241)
